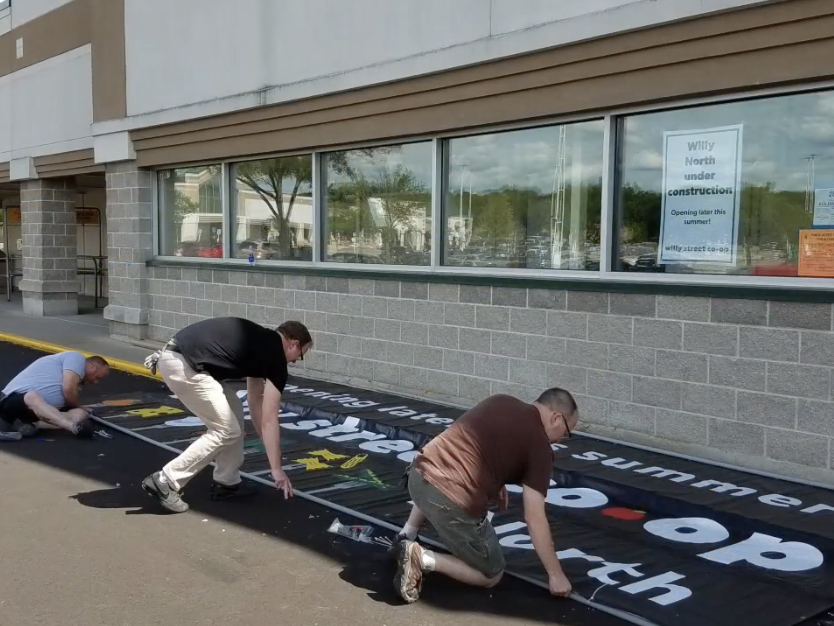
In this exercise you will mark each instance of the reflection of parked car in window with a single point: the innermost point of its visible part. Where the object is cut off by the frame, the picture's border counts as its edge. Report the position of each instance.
(642, 263)
(350, 257)
(263, 250)
(196, 249)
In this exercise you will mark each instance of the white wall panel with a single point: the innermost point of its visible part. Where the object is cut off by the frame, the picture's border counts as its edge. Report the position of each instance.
(204, 57)
(26, 10)
(48, 107)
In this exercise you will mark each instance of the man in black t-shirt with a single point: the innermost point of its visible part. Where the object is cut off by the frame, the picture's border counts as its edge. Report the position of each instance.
(195, 365)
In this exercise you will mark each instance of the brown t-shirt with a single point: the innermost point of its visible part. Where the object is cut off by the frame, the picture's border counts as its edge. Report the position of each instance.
(497, 442)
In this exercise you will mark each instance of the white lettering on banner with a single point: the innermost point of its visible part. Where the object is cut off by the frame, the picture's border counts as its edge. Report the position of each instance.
(577, 498)
(701, 194)
(621, 463)
(674, 593)
(719, 487)
(602, 573)
(774, 499)
(659, 472)
(769, 553)
(688, 530)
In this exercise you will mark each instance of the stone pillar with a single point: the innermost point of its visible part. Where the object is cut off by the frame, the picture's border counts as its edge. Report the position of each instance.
(129, 246)
(50, 247)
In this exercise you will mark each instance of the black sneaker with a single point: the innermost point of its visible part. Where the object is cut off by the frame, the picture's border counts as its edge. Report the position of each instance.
(395, 545)
(83, 429)
(25, 429)
(220, 491)
(167, 497)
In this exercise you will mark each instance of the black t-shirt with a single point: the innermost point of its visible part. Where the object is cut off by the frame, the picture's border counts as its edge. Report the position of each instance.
(233, 347)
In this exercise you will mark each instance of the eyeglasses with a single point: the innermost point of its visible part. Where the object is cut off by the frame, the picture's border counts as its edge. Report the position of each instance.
(567, 428)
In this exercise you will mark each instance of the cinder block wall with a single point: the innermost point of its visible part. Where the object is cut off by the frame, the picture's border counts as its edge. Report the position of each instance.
(741, 381)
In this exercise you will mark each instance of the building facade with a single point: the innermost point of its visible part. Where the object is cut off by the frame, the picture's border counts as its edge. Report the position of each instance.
(626, 198)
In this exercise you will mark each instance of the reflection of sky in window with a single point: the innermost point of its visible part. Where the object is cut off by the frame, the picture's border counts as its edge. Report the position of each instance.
(526, 158)
(415, 157)
(779, 133)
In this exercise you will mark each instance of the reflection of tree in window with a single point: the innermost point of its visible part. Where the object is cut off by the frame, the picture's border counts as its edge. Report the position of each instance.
(269, 178)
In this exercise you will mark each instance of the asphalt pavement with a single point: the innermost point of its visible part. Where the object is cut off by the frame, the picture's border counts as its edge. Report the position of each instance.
(82, 543)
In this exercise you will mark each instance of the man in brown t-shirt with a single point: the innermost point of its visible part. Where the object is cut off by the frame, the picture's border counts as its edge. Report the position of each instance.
(459, 474)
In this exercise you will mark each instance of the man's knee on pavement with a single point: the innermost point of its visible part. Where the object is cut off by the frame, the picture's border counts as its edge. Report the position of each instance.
(494, 579)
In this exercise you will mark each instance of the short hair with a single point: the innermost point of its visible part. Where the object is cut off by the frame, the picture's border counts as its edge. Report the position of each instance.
(558, 399)
(97, 360)
(296, 331)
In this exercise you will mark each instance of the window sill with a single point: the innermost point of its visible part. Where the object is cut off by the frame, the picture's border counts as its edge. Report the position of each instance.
(756, 288)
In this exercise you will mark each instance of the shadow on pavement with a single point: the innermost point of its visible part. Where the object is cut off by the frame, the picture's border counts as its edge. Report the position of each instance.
(123, 462)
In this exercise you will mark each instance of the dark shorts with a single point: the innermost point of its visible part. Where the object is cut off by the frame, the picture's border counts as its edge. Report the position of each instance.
(471, 539)
(12, 407)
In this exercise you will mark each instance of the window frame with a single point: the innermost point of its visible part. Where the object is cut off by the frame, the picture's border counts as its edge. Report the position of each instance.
(606, 275)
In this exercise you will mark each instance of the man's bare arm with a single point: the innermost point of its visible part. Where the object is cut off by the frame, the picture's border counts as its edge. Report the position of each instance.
(539, 529)
(271, 436)
(70, 384)
(255, 399)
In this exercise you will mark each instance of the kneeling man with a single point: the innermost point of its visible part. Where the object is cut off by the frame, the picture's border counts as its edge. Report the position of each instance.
(47, 390)
(460, 473)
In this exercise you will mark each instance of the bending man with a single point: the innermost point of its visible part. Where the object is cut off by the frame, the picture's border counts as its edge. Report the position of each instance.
(195, 365)
(47, 390)
(460, 473)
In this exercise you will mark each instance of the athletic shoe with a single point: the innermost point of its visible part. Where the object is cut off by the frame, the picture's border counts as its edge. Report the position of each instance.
(167, 497)
(83, 429)
(408, 581)
(25, 429)
(220, 491)
(10, 436)
(395, 546)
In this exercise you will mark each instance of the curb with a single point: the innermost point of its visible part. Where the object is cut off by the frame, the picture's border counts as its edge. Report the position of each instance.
(118, 364)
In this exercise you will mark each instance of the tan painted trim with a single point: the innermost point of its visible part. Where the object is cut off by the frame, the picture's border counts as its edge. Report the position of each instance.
(109, 73)
(49, 35)
(67, 164)
(766, 45)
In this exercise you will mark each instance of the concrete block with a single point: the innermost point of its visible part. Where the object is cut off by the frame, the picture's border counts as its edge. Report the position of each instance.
(658, 334)
(387, 288)
(741, 373)
(633, 417)
(509, 296)
(361, 286)
(335, 284)
(459, 362)
(305, 300)
(547, 299)
(610, 385)
(710, 339)
(591, 410)
(473, 388)
(350, 305)
(429, 312)
(769, 344)
(735, 311)
(444, 336)
(414, 291)
(375, 307)
(657, 392)
(522, 392)
(247, 295)
(400, 353)
(683, 366)
(681, 427)
(530, 373)
(253, 279)
(806, 381)
(736, 437)
(547, 349)
(476, 294)
(815, 417)
(475, 340)
(402, 310)
(390, 330)
(528, 321)
(442, 292)
(275, 281)
(415, 333)
(766, 409)
(338, 323)
(326, 342)
(805, 315)
(442, 383)
(509, 344)
(568, 325)
(573, 379)
(327, 302)
(362, 326)
(491, 317)
(633, 304)
(817, 348)
(413, 378)
(587, 301)
(459, 315)
(631, 360)
(586, 354)
(348, 345)
(429, 358)
(315, 320)
(315, 283)
(492, 367)
(709, 400)
(793, 447)
(375, 349)
(610, 329)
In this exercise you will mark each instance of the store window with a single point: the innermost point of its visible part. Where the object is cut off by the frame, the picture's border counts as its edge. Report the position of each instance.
(525, 199)
(741, 188)
(272, 209)
(191, 212)
(377, 205)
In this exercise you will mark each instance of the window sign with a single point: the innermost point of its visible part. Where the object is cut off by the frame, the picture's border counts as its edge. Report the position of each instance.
(701, 191)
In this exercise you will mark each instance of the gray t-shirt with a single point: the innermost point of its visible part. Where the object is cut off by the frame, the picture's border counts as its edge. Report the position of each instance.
(46, 376)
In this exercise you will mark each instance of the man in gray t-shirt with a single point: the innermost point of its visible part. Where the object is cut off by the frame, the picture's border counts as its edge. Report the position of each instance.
(47, 390)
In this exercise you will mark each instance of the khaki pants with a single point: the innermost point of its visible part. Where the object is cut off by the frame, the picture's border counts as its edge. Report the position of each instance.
(220, 410)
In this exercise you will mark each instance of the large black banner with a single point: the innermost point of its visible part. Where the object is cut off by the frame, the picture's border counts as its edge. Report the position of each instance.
(674, 541)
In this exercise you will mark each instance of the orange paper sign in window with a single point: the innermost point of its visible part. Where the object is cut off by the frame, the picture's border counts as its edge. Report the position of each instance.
(816, 253)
